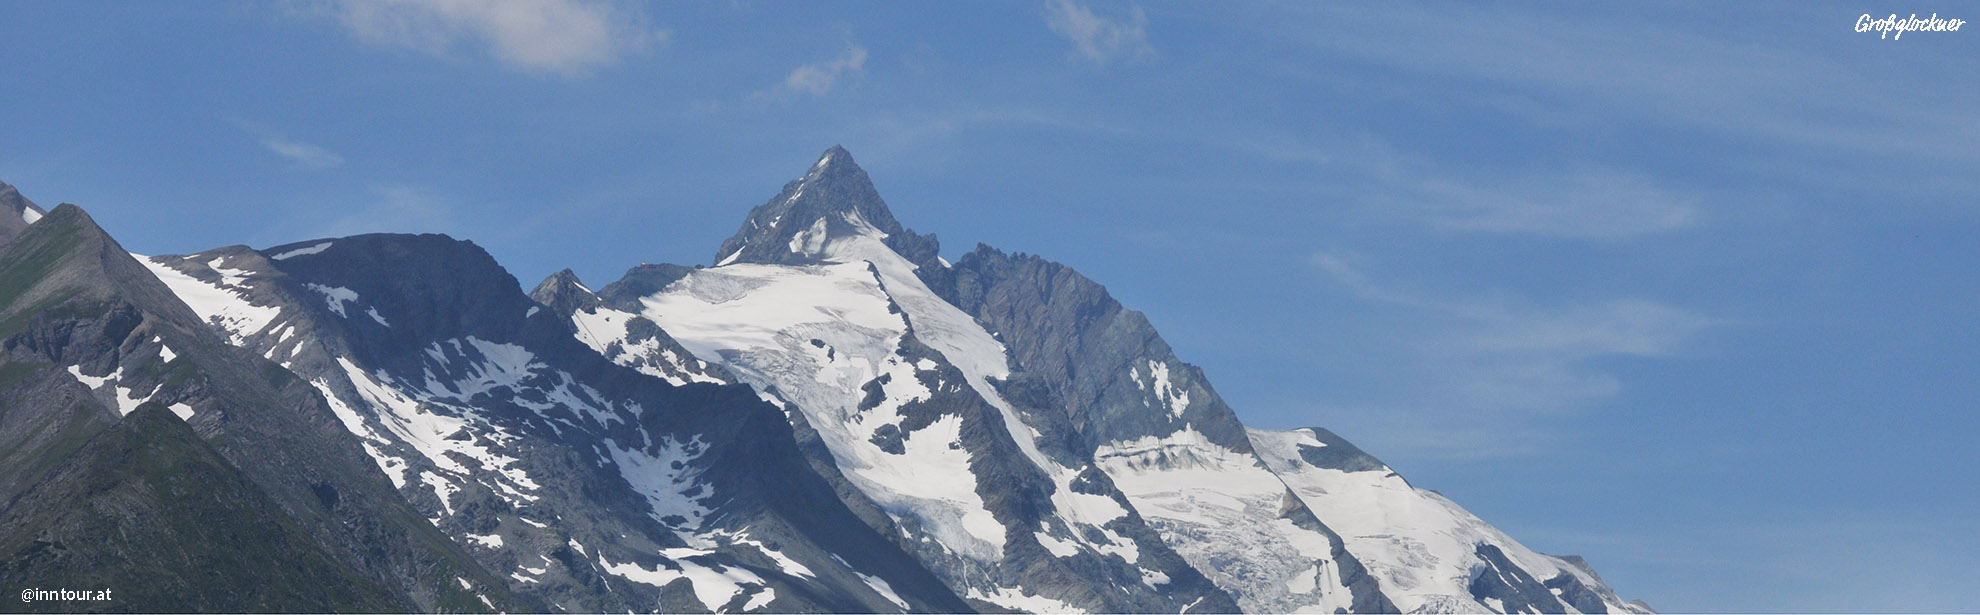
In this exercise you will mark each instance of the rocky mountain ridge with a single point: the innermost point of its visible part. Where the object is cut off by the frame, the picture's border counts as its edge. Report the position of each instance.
(830, 418)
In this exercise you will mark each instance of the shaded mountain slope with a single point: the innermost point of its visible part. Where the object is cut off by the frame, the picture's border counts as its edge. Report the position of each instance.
(88, 336)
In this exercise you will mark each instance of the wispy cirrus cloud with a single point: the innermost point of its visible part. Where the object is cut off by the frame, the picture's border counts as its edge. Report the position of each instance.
(1575, 201)
(1098, 38)
(305, 154)
(1587, 204)
(1665, 67)
(1482, 370)
(819, 78)
(563, 37)
(1582, 200)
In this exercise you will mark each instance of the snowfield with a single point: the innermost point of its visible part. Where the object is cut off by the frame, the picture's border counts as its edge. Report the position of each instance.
(1421, 546)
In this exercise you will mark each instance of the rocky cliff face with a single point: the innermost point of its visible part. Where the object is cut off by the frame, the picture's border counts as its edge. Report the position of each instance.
(1160, 431)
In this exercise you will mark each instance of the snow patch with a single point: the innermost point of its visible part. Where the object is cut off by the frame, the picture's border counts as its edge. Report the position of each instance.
(315, 249)
(443, 490)
(666, 477)
(1157, 383)
(1017, 599)
(126, 398)
(877, 584)
(335, 297)
(93, 382)
(1058, 548)
(225, 307)
(761, 599)
(881, 587)
(714, 585)
(784, 562)
(233, 278)
(811, 240)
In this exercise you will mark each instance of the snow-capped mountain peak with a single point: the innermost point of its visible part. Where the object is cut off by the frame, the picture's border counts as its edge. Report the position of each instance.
(820, 303)
(833, 199)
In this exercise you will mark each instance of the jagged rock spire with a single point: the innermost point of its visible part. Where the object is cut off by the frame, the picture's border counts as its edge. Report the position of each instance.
(835, 198)
(563, 293)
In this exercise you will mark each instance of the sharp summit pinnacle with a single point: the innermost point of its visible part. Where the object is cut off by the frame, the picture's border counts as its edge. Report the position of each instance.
(834, 198)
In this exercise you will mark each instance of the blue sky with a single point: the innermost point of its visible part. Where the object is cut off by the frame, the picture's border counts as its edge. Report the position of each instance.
(1688, 290)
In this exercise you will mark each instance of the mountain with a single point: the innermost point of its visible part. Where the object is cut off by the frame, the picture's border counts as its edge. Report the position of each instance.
(143, 453)
(832, 418)
(1155, 425)
(1298, 542)
(16, 213)
(941, 391)
(900, 392)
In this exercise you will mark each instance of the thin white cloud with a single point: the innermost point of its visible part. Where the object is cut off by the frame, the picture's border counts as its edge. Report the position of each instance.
(819, 78)
(565, 37)
(1590, 68)
(1098, 38)
(1582, 204)
(934, 136)
(303, 153)
(1623, 327)
(1545, 361)
(1579, 202)
(1494, 365)
(1591, 202)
